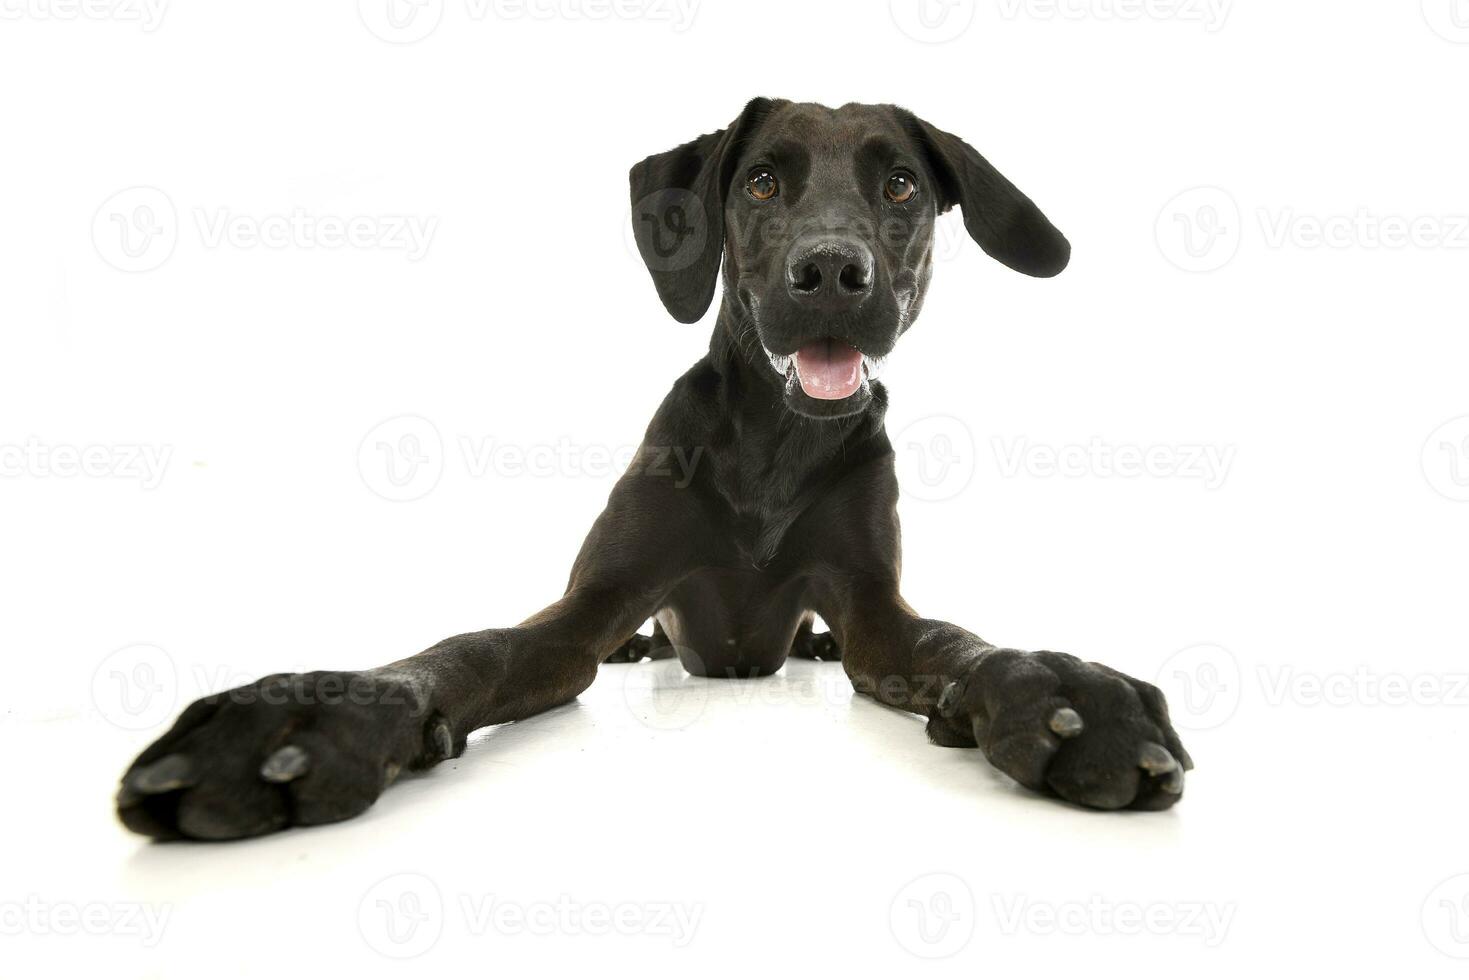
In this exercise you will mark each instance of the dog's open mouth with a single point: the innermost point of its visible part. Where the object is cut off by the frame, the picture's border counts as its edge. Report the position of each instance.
(827, 369)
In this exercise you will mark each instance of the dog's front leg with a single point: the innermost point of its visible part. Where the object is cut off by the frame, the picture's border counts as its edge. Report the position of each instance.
(297, 749)
(1052, 722)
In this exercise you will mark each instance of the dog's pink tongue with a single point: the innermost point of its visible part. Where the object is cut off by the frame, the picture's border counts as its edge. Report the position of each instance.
(829, 369)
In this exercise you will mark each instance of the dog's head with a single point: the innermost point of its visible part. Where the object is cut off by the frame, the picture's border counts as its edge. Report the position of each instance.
(825, 221)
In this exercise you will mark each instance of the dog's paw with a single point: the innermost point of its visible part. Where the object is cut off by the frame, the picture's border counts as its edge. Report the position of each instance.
(288, 750)
(810, 645)
(1059, 725)
(640, 648)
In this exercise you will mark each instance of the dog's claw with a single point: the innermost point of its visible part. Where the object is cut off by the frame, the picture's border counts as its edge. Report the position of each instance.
(171, 772)
(443, 739)
(1157, 760)
(949, 698)
(1067, 723)
(1173, 782)
(285, 764)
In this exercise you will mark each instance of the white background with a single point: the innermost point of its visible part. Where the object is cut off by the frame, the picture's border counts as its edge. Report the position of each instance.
(1301, 602)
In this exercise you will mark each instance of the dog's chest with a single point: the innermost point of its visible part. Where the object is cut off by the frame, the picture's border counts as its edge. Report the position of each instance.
(765, 498)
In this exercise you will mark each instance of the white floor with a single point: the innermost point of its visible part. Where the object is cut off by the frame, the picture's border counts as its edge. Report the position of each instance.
(668, 825)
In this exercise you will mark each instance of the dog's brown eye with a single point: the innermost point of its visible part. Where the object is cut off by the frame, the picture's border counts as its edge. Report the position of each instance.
(901, 187)
(761, 185)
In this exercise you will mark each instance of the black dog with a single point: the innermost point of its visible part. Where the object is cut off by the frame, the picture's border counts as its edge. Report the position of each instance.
(824, 222)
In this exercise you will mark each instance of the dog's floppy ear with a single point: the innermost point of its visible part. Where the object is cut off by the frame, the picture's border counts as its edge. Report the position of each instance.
(678, 213)
(1005, 223)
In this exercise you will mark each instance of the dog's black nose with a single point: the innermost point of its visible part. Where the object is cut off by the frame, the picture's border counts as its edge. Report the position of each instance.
(834, 272)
